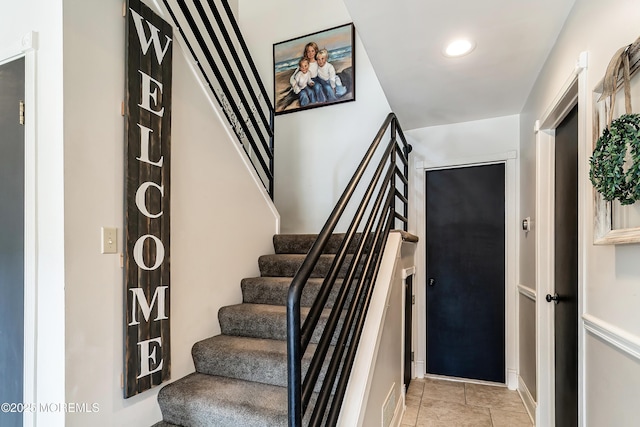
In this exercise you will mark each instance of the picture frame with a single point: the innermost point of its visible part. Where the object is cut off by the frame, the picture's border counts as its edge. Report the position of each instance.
(296, 90)
(614, 224)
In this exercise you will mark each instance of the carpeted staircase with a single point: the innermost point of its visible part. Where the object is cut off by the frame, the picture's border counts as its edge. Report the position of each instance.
(241, 375)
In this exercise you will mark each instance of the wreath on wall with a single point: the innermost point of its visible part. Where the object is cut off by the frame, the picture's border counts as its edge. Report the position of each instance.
(607, 173)
(618, 148)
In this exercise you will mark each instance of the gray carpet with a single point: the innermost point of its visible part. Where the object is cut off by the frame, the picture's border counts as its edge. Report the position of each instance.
(241, 375)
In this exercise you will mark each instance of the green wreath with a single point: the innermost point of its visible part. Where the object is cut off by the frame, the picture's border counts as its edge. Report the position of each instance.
(607, 172)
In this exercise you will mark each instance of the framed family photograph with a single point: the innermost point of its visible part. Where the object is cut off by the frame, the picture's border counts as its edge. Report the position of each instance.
(315, 70)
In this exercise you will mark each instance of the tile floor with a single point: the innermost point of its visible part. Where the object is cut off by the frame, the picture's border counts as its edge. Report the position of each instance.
(441, 403)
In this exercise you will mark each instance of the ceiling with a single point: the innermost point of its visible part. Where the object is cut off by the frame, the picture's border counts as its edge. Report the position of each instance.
(404, 40)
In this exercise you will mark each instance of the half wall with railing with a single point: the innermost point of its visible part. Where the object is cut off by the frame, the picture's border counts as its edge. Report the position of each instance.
(379, 195)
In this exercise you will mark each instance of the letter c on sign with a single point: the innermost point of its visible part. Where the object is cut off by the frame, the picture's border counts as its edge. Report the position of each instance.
(137, 252)
(140, 196)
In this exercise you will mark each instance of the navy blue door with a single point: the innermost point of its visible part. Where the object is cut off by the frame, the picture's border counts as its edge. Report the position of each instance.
(11, 239)
(465, 241)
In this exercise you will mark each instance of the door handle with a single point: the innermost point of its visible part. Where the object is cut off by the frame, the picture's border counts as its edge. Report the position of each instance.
(432, 281)
(555, 298)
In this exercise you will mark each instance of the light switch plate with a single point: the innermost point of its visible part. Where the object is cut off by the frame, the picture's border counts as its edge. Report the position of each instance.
(109, 240)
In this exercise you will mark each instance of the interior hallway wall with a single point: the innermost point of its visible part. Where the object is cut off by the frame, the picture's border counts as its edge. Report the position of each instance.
(220, 221)
(612, 273)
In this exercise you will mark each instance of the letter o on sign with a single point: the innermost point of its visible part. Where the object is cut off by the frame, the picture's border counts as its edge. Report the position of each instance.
(137, 252)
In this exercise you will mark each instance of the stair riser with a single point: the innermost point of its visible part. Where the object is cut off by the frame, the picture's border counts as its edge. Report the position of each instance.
(269, 325)
(301, 243)
(288, 265)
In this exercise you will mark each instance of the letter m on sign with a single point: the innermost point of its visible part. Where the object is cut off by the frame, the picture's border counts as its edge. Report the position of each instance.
(147, 249)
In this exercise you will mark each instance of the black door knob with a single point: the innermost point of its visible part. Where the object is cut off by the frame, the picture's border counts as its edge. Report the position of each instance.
(432, 281)
(555, 298)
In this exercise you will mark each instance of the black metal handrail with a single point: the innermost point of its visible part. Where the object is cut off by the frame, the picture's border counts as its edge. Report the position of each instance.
(211, 34)
(365, 237)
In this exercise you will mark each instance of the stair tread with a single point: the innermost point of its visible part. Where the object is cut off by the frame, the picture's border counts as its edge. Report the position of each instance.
(275, 290)
(207, 400)
(257, 359)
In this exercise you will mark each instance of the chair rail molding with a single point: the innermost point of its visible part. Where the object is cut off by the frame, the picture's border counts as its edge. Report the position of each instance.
(527, 292)
(617, 337)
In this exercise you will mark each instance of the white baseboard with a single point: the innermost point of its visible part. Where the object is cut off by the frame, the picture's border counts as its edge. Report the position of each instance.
(529, 403)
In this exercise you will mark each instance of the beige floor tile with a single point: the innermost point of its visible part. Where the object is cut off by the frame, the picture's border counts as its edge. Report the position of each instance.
(510, 419)
(410, 415)
(440, 413)
(415, 388)
(412, 400)
(449, 391)
(494, 397)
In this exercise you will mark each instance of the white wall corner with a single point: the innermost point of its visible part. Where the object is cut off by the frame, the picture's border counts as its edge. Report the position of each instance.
(536, 126)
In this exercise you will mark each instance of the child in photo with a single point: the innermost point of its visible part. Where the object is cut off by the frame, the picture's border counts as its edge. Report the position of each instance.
(302, 81)
(331, 85)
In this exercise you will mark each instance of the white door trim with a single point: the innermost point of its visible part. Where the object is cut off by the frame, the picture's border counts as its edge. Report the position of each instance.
(26, 48)
(573, 92)
(510, 160)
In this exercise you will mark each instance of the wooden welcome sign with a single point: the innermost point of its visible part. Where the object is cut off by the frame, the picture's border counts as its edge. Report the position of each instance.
(147, 355)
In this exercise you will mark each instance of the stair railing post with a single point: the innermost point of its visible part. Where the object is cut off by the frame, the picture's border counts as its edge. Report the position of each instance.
(393, 167)
(273, 154)
(294, 358)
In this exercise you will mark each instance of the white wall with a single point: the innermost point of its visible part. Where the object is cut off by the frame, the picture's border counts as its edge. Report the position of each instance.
(45, 18)
(612, 273)
(453, 145)
(218, 228)
(317, 150)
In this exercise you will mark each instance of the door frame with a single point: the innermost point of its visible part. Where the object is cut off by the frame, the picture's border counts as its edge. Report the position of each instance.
(26, 48)
(510, 159)
(572, 93)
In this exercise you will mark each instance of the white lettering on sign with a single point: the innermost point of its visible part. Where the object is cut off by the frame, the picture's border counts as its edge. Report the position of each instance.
(154, 32)
(145, 132)
(140, 198)
(137, 252)
(148, 357)
(138, 295)
(148, 95)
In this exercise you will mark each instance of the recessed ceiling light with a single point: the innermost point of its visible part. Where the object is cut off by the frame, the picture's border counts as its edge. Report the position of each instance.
(459, 47)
